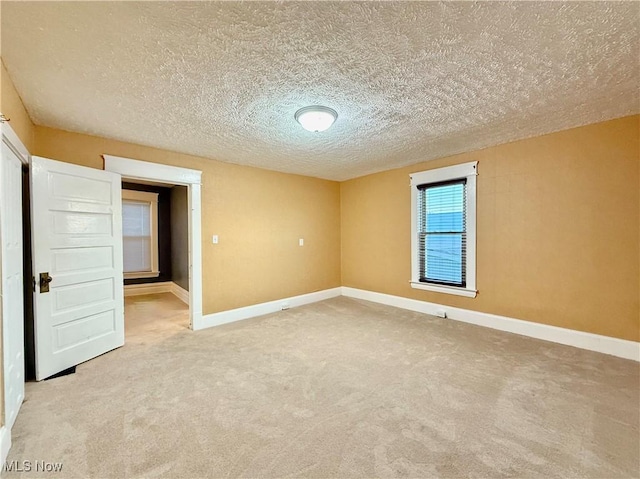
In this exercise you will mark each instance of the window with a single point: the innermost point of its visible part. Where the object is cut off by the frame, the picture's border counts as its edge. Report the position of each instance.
(140, 234)
(444, 229)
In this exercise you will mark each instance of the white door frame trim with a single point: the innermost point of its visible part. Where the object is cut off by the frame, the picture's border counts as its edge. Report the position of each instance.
(13, 141)
(131, 169)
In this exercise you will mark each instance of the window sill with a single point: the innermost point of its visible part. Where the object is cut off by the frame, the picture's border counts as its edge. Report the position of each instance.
(142, 275)
(469, 293)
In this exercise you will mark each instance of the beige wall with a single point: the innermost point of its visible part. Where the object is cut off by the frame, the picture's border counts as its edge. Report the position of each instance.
(11, 106)
(259, 216)
(558, 240)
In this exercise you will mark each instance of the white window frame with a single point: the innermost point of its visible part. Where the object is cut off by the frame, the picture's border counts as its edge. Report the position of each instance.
(467, 171)
(151, 199)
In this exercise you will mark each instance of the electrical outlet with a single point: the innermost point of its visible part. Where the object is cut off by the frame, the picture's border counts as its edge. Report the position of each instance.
(214, 239)
(301, 242)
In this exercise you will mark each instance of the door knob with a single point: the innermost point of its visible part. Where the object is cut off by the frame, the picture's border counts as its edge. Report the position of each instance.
(45, 279)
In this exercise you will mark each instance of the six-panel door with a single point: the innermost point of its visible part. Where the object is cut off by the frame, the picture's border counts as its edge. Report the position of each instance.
(77, 242)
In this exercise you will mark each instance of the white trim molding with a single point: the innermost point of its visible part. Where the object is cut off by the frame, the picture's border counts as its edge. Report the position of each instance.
(181, 293)
(145, 170)
(467, 171)
(5, 445)
(438, 288)
(579, 339)
(141, 275)
(13, 140)
(148, 288)
(173, 175)
(155, 288)
(232, 315)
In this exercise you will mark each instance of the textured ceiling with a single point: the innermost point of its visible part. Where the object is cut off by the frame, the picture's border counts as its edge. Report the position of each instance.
(410, 81)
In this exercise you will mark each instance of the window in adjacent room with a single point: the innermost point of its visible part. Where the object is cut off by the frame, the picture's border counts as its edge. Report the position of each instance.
(140, 234)
(443, 236)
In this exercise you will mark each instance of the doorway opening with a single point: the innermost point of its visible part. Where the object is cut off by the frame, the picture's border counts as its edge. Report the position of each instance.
(155, 259)
(183, 185)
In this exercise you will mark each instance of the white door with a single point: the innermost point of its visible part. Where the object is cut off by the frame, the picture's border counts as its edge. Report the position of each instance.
(12, 284)
(76, 217)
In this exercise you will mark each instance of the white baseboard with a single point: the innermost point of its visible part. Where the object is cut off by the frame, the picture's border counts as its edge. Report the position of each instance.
(181, 293)
(148, 288)
(154, 288)
(261, 309)
(5, 445)
(579, 339)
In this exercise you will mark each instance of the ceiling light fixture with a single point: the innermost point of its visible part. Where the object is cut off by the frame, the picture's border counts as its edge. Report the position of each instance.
(316, 117)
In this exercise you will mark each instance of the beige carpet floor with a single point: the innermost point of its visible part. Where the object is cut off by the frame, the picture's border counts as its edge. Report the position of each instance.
(341, 388)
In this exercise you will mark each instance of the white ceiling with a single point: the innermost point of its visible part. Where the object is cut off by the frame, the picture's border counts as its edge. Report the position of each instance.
(410, 81)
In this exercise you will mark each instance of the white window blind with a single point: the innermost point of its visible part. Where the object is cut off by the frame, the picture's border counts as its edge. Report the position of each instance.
(442, 236)
(136, 233)
(139, 234)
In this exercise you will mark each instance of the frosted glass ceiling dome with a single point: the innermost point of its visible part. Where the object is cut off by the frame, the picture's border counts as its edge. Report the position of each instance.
(316, 117)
